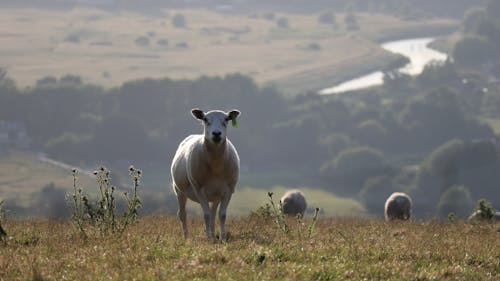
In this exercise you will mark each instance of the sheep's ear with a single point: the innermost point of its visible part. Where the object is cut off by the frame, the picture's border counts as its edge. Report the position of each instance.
(231, 115)
(198, 113)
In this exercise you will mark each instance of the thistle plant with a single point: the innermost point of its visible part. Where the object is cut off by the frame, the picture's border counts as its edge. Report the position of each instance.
(101, 213)
(3, 233)
(280, 218)
(133, 201)
(485, 209)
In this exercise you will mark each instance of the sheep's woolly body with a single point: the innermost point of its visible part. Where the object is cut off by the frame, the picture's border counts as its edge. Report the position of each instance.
(294, 202)
(205, 169)
(477, 216)
(398, 206)
(196, 167)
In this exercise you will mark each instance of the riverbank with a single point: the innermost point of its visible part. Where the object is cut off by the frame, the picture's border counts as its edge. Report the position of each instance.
(416, 51)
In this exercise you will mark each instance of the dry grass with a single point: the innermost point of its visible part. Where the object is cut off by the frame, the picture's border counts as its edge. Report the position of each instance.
(340, 249)
(35, 44)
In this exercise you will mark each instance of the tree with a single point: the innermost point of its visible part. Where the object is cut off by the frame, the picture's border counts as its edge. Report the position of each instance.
(353, 166)
(457, 200)
(473, 51)
(375, 191)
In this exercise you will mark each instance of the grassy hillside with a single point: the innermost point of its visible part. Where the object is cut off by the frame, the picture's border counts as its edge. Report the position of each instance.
(22, 174)
(109, 48)
(339, 249)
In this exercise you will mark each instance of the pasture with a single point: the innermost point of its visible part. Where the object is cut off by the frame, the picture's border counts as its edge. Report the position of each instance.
(339, 249)
(24, 175)
(108, 48)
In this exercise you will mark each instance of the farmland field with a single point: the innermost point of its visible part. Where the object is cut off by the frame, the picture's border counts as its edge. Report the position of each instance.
(108, 48)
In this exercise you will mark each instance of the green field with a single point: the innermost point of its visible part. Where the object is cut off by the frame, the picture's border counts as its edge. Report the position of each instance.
(100, 46)
(339, 249)
(23, 175)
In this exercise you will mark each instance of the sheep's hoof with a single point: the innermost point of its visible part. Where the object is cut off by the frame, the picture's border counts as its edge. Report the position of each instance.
(224, 239)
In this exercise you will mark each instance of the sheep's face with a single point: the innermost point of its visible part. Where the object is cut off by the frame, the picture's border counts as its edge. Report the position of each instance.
(215, 123)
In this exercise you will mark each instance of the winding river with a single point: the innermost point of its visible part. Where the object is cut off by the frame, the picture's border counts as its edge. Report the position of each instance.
(416, 50)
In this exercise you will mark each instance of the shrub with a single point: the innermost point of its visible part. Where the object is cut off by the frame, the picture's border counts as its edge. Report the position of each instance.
(142, 41)
(179, 21)
(326, 18)
(282, 23)
(101, 214)
(162, 42)
(351, 22)
(485, 209)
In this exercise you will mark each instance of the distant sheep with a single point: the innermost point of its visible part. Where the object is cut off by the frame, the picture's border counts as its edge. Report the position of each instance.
(477, 216)
(294, 202)
(206, 168)
(398, 206)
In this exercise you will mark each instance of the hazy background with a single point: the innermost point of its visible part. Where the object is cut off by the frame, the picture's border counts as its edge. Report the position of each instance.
(89, 83)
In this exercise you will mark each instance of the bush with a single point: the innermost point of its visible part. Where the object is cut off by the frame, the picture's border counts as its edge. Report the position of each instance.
(162, 42)
(282, 23)
(179, 21)
(142, 41)
(326, 18)
(457, 200)
(485, 210)
(351, 22)
(88, 216)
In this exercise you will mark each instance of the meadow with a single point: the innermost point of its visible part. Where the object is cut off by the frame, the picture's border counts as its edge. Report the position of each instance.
(24, 175)
(338, 249)
(108, 48)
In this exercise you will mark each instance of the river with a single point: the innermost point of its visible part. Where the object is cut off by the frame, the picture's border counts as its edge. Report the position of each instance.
(416, 50)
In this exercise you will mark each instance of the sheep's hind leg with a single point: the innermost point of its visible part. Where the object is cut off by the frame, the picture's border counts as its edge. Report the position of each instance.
(182, 212)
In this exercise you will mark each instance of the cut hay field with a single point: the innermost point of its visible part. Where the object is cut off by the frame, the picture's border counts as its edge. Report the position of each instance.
(339, 249)
(101, 46)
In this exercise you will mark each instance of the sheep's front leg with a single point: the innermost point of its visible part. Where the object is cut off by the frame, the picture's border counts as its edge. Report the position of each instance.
(213, 215)
(182, 212)
(222, 215)
(206, 214)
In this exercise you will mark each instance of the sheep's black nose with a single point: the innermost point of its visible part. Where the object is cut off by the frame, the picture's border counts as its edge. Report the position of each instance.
(216, 133)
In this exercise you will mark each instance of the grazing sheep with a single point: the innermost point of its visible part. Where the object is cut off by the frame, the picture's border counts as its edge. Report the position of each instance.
(477, 216)
(206, 168)
(398, 206)
(294, 202)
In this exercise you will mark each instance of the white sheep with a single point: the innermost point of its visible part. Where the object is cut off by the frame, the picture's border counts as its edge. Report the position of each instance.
(398, 206)
(294, 202)
(206, 168)
(477, 216)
